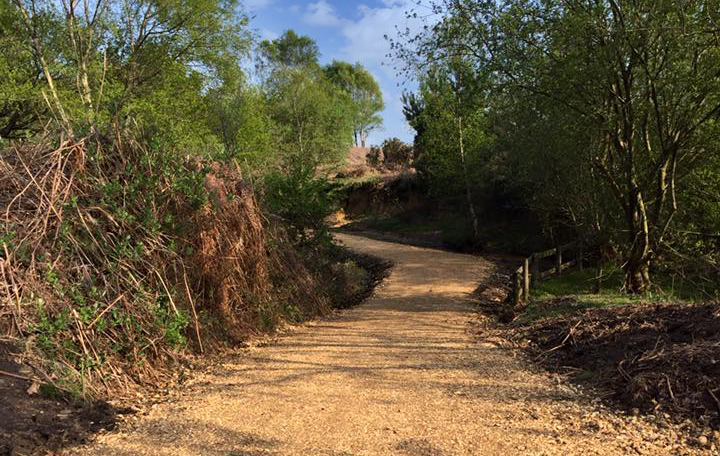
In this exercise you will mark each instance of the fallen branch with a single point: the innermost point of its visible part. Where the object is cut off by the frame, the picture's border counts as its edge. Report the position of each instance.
(16, 376)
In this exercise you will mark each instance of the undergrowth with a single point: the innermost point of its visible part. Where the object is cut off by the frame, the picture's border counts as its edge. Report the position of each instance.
(118, 256)
(453, 230)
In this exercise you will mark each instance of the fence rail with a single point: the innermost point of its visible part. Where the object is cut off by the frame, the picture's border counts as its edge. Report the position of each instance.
(530, 273)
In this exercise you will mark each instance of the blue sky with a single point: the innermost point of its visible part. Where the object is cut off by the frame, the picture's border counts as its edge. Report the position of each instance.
(347, 30)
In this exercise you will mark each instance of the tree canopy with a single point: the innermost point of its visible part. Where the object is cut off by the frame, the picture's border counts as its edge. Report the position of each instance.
(365, 93)
(623, 94)
(290, 50)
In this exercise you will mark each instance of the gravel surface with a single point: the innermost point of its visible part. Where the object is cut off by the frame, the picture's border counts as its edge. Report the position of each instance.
(403, 374)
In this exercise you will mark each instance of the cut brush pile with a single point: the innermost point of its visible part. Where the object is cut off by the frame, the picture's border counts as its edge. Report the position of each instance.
(655, 358)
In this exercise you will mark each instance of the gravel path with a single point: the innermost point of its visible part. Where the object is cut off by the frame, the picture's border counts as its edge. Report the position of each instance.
(403, 374)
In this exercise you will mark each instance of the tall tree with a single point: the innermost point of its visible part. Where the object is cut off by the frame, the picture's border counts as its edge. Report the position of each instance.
(643, 77)
(451, 139)
(365, 93)
(313, 117)
(20, 99)
(104, 55)
(313, 130)
(290, 50)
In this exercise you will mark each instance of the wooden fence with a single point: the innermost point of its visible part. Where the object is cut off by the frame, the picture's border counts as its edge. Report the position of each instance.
(530, 273)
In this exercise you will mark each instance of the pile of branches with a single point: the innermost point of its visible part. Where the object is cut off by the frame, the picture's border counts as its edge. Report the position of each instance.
(652, 357)
(117, 257)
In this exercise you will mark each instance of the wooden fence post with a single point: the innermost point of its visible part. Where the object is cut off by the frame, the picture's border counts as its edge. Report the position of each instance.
(526, 279)
(558, 260)
(516, 290)
(580, 256)
(535, 270)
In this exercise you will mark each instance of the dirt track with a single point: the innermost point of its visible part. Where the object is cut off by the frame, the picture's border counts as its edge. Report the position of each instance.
(403, 374)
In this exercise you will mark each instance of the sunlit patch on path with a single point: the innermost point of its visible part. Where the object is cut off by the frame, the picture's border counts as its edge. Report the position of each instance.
(402, 374)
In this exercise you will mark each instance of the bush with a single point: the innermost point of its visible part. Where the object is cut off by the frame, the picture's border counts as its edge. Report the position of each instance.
(123, 257)
(301, 199)
(393, 154)
(397, 154)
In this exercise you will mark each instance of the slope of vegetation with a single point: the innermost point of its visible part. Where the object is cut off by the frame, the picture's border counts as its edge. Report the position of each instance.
(155, 202)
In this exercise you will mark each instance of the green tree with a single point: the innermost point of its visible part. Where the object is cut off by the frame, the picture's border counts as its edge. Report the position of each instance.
(313, 117)
(239, 117)
(642, 78)
(105, 56)
(20, 99)
(313, 131)
(452, 143)
(290, 50)
(365, 93)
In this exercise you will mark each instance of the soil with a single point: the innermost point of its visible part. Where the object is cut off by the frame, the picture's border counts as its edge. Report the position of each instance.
(661, 359)
(433, 241)
(394, 193)
(413, 371)
(30, 423)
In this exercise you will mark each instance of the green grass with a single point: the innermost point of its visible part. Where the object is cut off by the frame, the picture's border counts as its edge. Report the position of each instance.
(574, 292)
(578, 282)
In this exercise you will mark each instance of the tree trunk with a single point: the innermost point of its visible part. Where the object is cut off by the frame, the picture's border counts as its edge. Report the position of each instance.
(637, 263)
(363, 137)
(468, 193)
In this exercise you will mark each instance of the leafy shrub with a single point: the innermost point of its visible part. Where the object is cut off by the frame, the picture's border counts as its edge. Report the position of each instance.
(396, 154)
(301, 199)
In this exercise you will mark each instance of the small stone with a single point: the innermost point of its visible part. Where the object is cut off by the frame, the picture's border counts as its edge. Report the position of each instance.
(702, 440)
(594, 426)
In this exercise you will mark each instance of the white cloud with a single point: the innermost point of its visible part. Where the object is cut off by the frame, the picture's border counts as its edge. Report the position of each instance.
(366, 43)
(267, 34)
(323, 14)
(254, 5)
(365, 37)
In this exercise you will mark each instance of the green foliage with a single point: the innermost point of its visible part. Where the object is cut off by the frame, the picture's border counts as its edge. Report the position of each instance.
(312, 130)
(365, 93)
(289, 51)
(172, 324)
(170, 112)
(110, 62)
(600, 114)
(576, 291)
(448, 96)
(239, 117)
(313, 118)
(302, 199)
(392, 154)
(20, 99)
